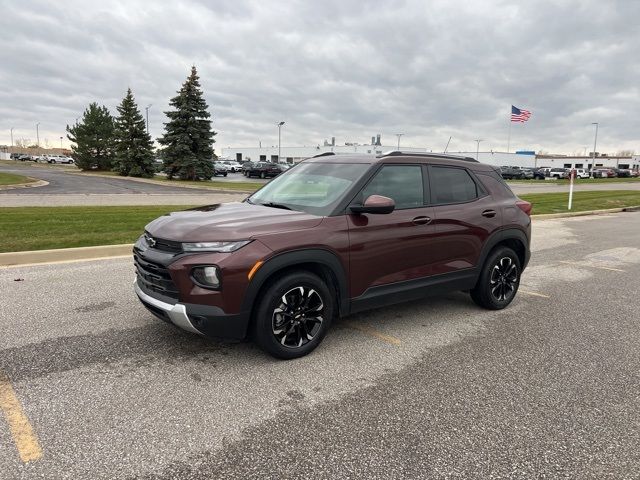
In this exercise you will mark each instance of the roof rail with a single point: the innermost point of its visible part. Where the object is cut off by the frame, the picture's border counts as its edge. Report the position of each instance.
(325, 154)
(398, 153)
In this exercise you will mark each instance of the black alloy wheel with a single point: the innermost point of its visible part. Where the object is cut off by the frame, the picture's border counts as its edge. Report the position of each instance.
(293, 315)
(499, 279)
(504, 279)
(298, 318)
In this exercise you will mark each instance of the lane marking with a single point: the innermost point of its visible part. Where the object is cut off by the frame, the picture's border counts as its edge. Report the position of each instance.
(374, 333)
(535, 294)
(578, 264)
(23, 435)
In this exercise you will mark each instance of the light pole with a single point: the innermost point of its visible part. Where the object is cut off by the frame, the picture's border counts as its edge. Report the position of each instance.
(279, 128)
(399, 135)
(595, 141)
(12, 138)
(478, 147)
(38, 134)
(60, 145)
(147, 110)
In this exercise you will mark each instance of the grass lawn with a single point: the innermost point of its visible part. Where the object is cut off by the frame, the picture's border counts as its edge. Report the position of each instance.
(39, 228)
(12, 179)
(582, 201)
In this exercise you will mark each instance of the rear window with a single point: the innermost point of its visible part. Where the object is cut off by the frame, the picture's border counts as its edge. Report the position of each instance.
(452, 185)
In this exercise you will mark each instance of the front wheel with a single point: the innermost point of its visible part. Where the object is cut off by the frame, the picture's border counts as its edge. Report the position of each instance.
(293, 315)
(498, 281)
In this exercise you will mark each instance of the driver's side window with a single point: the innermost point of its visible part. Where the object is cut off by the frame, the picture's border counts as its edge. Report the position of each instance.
(402, 183)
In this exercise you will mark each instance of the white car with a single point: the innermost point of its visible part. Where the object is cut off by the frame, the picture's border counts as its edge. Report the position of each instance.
(59, 159)
(582, 173)
(232, 165)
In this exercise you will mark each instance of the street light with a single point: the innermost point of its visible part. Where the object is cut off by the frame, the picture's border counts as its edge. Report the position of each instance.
(12, 137)
(399, 135)
(478, 147)
(60, 145)
(279, 133)
(38, 134)
(147, 110)
(595, 141)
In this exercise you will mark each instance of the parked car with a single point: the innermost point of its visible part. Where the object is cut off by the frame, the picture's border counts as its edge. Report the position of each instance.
(539, 174)
(263, 170)
(14, 156)
(635, 173)
(332, 237)
(59, 159)
(25, 157)
(246, 166)
(558, 173)
(220, 169)
(232, 165)
(622, 172)
(603, 173)
(511, 173)
(581, 173)
(528, 172)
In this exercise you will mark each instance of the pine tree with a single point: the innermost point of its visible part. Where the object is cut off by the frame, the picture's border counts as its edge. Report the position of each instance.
(133, 147)
(92, 139)
(188, 137)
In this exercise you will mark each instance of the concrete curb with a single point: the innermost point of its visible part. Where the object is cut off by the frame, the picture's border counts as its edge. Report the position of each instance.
(66, 255)
(549, 216)
(166, 184)
(35, 183)
(63, 255)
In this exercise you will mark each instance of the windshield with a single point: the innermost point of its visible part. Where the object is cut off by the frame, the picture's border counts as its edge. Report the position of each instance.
(314, 188)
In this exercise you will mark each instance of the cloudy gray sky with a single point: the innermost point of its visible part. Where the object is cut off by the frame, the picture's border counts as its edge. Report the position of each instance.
(428, 69)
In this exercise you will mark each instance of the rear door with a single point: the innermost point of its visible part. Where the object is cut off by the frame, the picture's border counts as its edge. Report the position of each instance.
(464, 217)
(394, 247)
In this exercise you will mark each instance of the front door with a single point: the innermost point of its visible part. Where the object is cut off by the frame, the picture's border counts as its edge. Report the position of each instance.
(394, 247)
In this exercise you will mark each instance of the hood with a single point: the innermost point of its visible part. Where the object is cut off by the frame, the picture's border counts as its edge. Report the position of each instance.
(228, 221)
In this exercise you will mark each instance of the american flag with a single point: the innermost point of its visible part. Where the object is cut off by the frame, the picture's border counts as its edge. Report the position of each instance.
(519, 115)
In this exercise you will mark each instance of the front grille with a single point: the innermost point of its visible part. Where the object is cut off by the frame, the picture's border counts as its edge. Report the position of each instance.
(154, 277)
(162, 244)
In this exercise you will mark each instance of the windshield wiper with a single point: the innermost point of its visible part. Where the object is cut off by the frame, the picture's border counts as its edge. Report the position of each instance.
(275, 205)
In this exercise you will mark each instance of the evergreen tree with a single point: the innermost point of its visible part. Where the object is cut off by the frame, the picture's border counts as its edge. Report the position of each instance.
(188, 137)
(133, 148)
(92, 139)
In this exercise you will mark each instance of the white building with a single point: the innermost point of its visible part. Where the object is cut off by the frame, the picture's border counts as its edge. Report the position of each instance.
(296, 154)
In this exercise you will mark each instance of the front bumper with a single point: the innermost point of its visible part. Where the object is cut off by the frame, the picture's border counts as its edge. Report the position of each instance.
(201, 319)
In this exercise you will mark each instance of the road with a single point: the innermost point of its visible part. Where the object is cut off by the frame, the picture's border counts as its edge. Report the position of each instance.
(548, 388)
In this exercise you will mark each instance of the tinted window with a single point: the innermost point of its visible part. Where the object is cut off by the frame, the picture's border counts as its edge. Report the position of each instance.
(402, 183)
(452, 185)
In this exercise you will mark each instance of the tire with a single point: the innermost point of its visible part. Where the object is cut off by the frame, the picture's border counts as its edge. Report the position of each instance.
(224, 174)
(498, 283)
(263, 175)
(272, 315)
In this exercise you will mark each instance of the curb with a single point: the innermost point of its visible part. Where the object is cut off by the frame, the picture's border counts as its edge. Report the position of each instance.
(549, 216)
(166, 184)
(63, 255)
(66, 255)
(34, 184)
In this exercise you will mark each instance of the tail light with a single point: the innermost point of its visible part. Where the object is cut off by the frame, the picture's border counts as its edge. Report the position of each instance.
(526, 207)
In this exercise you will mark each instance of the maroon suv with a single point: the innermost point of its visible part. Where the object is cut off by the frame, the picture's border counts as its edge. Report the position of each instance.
(332, 236)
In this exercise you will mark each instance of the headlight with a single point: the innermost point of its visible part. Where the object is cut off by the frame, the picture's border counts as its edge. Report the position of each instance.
(206, 276)
(221, 247)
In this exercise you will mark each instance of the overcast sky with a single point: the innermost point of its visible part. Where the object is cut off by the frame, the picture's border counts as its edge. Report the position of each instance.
(428, 69)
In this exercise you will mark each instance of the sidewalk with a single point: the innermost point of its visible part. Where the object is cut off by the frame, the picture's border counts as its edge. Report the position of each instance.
(87, 200)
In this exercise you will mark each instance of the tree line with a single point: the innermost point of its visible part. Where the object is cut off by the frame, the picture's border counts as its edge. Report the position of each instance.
(122, 144)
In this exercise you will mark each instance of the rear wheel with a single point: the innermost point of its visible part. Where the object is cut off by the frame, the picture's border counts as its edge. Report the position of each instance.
(499, 280)
(263, 175)
(293, 315)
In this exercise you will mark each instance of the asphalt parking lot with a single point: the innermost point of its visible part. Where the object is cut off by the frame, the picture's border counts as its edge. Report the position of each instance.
(548, 388)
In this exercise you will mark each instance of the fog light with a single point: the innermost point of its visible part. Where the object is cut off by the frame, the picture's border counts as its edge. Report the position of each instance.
(206, 276)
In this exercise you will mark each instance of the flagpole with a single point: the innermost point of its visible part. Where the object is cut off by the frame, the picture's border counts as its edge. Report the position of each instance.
(509, 138)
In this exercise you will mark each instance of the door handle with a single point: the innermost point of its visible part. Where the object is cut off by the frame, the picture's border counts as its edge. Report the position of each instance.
(489, 213)
(421, 220)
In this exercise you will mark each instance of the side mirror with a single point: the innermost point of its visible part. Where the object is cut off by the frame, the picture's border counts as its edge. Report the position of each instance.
(375, 204)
